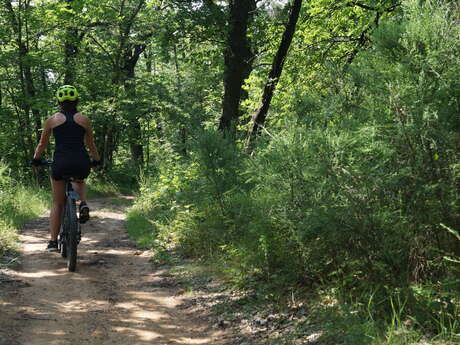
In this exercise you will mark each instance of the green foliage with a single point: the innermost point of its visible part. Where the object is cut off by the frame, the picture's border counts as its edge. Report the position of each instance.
(140, 228)
(101, 188)
(18, 204)
(353, 184)
(357, 189)
(119, 180)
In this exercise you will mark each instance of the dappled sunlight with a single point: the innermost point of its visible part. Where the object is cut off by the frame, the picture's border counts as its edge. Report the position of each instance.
(4, 304)
(171, 326)
(114, 297)
(42, 274)
(143, 335)
(192, 341)
(33, 240)
(57, 332)
(107, 214)
(146, 315)
(146, 297)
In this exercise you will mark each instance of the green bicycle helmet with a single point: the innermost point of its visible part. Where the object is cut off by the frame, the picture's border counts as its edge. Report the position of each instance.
(67, 93)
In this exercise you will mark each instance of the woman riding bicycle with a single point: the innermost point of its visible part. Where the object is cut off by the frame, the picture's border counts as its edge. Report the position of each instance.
(71, 131)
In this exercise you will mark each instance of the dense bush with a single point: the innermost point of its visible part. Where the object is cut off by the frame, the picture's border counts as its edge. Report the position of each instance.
(361, 193)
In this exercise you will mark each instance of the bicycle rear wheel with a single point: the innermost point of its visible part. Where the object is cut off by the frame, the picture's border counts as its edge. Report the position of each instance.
(71, 237)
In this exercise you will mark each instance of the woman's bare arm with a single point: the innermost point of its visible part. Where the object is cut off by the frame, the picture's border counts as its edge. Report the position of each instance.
(89, 138)
(44, 139)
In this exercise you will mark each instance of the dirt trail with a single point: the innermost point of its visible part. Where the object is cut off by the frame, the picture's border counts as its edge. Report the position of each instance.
(115, 297)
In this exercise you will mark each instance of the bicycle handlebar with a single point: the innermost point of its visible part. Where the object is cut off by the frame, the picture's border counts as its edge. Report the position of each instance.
(40, 162)
(44, 162)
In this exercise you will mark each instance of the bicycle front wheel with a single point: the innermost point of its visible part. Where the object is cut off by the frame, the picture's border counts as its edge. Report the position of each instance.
(72, 234)
(63, 245)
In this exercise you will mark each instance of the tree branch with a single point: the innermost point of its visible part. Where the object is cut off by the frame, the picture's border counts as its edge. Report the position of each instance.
(102, 47)
(358, 4)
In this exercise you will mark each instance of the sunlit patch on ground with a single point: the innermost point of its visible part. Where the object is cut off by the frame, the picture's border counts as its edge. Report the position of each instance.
(114, 297)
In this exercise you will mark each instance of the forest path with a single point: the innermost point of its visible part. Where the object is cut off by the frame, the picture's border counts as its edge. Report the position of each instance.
(114, 297)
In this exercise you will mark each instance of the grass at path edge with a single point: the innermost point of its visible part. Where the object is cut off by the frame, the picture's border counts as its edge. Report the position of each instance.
(318, 319)
(19, 204)
(16, 208)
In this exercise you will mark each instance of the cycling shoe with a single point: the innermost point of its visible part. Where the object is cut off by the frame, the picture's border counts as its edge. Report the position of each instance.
(83, 213)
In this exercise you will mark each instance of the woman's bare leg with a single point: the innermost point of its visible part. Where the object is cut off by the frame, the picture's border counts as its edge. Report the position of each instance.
(80, 188)
(56, 210)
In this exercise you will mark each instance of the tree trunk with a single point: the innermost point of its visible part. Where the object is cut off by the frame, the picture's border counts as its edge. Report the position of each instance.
(25, 73)
(131, 58)
(238, 60)
(70, 54)
(183, 129)
(70, 49)
(275, 73)
(149, 64)
(31, 94)
(109, 146)
(124, 61)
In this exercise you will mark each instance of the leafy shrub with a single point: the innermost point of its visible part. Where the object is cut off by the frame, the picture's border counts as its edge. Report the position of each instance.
(18, 204)
(356, 194)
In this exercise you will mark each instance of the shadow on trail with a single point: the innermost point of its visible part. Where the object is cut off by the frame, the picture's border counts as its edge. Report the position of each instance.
(114, 297)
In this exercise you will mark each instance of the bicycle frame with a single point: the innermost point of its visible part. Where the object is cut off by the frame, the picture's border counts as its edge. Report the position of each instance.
(70, 230)
(69, 192)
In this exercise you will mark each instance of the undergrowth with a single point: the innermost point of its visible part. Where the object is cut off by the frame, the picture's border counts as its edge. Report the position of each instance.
(18, 204)
(101, 188)
(356, 195)
(119, 180)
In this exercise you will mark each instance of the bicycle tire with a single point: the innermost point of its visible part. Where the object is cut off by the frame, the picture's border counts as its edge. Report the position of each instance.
(63, 242)
(72, 234)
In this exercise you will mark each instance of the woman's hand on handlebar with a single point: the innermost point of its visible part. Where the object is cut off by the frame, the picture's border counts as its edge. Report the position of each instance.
(36, 162)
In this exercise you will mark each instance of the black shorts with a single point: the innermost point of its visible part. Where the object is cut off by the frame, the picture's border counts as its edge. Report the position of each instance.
(76, 165)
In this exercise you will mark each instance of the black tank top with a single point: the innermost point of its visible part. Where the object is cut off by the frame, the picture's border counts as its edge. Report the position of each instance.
(69, 135)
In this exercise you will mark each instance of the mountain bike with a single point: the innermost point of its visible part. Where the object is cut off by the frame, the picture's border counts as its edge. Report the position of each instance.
(70, 231)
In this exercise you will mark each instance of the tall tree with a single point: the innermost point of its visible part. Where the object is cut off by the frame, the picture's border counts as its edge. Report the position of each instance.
(71, 45)
(275, 73)
(238, 61)
(135, 132)
(127, 48)
(19, 14)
